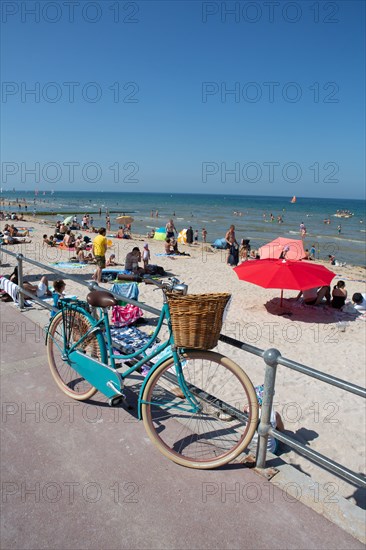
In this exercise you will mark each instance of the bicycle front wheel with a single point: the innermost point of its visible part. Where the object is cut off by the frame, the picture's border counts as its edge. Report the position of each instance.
(69, 331)
(208, 419)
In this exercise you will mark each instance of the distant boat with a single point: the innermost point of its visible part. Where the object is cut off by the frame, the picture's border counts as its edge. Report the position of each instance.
(293, 199)
(343, 214)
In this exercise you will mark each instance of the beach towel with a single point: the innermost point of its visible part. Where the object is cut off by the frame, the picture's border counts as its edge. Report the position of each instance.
(68, 265)
(125, 315)
(174, 255)
(128, 290)
(12, 290)
(64, 247)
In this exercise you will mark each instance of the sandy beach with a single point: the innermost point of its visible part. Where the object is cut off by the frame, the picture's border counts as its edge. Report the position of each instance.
(331, 421)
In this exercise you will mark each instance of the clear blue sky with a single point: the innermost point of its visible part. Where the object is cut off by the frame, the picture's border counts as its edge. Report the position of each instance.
(181, 133)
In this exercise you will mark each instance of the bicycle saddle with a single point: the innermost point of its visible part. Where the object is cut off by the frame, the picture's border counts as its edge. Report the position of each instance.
(101, 298)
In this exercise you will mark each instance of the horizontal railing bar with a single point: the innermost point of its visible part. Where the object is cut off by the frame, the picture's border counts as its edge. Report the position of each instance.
(324, 377)
(241, 345)
(313, 373)
(320, 459)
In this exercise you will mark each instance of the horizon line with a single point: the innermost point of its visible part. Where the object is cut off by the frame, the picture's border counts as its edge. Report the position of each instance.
(2, 192)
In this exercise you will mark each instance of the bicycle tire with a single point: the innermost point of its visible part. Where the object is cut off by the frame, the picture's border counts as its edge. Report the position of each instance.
(66, 378)
(210, 437)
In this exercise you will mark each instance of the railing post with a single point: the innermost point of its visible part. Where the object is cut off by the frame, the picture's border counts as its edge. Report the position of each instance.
(20, 280)
(270, 357)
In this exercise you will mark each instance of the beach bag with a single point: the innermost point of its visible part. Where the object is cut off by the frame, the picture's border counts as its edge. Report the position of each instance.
(125, 315)
(155, 270)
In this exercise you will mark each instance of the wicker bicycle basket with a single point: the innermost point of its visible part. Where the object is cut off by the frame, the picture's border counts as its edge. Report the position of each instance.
(197, 319)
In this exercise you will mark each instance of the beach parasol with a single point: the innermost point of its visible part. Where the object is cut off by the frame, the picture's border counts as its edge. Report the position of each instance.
(182, 237)
(68, 219)
(273, 249)
(282, 274)
(124, 220)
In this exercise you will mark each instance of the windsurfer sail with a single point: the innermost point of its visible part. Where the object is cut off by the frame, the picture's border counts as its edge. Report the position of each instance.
(293, 199)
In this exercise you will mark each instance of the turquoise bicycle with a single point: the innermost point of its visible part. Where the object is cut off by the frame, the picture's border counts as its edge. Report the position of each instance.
(198, 407)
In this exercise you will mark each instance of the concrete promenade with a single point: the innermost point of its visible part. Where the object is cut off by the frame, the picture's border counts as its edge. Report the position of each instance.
(84, 475)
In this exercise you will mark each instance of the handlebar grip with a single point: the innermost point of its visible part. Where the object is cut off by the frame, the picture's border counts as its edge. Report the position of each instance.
(125, 277)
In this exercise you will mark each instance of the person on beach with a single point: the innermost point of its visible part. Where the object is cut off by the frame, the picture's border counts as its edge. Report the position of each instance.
(40, 291)
(244, 249)
(232, 246)
(48, 241)
(111, 260)
(69, 240)
(78, 240)
(196, 236)
(81, 257)
(204, 235)
(312, 252)
(168, 248)
(314, 296)
(339, 295)
(146, 256)
(302, 230)
(230, 236)
(58, 292)
(14, 232)
(99, 250)
(8, 239)
(170, 229)
(284, 252)
(359, 301)
(189, 235)
(132, 261)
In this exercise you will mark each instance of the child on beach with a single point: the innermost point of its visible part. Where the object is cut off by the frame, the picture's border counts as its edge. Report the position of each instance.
(111, 260)
(359, 301)
(146, 255)
(58, 292)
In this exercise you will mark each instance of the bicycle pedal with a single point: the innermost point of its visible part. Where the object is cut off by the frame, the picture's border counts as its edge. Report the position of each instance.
(117, 399)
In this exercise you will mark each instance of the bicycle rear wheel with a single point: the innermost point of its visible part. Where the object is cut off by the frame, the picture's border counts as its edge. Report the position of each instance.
(76, 324)
(220, 425)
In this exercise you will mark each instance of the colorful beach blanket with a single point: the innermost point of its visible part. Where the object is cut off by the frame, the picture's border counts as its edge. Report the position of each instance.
(68, 265)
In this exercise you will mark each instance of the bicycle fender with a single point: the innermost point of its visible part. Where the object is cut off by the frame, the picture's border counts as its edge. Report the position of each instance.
(148, 376)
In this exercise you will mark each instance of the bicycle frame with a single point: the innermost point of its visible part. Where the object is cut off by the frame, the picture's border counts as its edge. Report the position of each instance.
(101, 373)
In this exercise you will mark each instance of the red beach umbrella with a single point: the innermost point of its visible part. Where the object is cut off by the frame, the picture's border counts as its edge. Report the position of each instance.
(273, 249)
(282, 274)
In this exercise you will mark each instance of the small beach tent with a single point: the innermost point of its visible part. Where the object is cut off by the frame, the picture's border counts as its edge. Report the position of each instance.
(160, 234)
(220, 243)
(273, 249)
(182, 237)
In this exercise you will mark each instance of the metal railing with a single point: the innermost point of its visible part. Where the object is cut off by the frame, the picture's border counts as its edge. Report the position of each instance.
(272, 358)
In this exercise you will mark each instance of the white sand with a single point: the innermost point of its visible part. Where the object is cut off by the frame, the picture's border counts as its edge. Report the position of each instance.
(331, 421)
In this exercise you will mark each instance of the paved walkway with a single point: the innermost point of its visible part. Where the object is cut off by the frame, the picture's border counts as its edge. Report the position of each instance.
(84, 475)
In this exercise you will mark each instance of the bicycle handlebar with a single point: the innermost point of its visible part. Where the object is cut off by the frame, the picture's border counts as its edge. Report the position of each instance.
(172, 284)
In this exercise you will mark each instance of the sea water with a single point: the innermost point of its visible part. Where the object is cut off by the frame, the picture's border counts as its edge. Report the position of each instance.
(249, 214)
